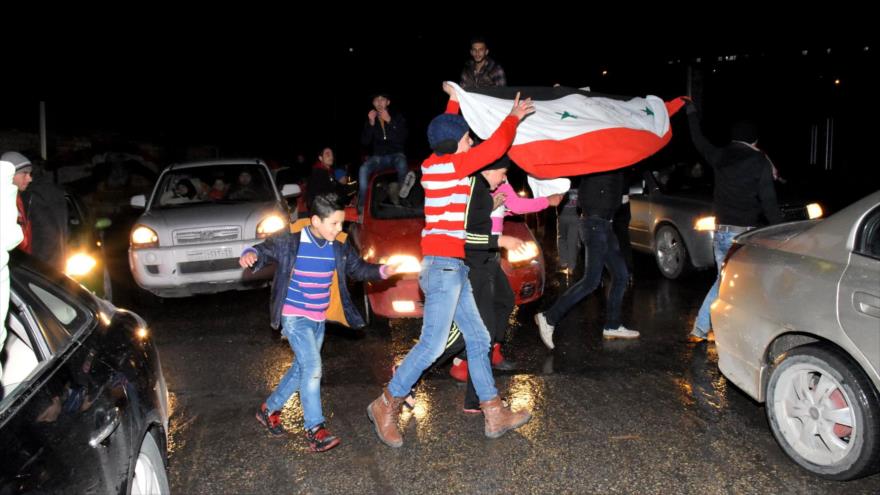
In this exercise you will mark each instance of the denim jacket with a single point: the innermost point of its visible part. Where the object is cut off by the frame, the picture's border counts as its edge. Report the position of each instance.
(282, 249)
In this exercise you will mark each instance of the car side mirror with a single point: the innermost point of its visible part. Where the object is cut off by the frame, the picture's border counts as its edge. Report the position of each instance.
(102, 223)
(290, 190)
(139, 201)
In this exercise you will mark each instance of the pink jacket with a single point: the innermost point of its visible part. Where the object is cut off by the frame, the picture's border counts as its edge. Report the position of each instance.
(513, 205)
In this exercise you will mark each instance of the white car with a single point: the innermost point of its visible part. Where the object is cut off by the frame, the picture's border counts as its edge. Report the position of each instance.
(199, 218)
(797, 324)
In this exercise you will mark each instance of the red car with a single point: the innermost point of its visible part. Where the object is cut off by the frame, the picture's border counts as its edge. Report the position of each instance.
(394, 231)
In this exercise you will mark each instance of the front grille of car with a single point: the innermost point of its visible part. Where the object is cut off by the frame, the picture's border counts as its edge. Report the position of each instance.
(204, 236)
(189, 267)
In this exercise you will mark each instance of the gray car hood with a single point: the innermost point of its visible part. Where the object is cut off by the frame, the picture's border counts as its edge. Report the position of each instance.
(184, 217)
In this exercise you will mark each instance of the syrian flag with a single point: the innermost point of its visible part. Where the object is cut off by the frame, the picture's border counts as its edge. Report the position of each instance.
(572, 131)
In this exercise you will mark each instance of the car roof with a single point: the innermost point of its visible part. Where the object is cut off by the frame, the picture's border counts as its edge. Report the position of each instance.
(208, 163)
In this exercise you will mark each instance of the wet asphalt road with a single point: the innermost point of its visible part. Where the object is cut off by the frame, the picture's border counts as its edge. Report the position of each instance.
(648, 416)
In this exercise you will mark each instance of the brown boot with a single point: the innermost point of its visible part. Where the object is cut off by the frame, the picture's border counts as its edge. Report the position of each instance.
(499, 418)
(383, 412)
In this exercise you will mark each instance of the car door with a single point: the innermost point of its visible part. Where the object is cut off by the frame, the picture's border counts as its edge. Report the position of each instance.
(62, 428)
(641, 223)
(859, 290)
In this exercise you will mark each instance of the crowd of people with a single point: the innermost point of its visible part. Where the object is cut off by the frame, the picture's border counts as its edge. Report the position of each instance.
(468, 300)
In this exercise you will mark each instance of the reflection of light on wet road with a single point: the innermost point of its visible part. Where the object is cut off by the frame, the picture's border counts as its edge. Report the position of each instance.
(527, 392)
(702, 384)
(175, 426)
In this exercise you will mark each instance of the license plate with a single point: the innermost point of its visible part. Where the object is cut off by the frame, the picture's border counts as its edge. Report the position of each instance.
(209, 254)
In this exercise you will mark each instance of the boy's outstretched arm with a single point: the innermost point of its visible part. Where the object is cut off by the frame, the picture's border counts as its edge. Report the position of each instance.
(358, 269)
(256, 257)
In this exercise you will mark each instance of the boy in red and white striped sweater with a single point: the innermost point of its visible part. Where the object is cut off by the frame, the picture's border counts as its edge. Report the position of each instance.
(444, 275)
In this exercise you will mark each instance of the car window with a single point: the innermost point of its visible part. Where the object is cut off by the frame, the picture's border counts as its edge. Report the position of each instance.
(385, 204)
(230, 183)
(18, 359)
(868, 242)
(57, 307)
(684, 177)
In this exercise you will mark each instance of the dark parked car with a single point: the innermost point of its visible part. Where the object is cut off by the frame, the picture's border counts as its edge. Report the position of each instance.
(84, 407)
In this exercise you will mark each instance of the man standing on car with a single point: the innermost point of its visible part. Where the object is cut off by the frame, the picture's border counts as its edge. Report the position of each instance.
(385, 134)
(743, 197)
(21, 180)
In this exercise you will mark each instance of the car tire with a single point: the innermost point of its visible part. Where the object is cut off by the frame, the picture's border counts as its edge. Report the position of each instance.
(813, 391)
(670, 252)
(149, 475)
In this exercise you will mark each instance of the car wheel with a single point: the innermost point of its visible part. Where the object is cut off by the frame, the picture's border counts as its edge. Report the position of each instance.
(149, 470)
(670, 252)
(824, 413)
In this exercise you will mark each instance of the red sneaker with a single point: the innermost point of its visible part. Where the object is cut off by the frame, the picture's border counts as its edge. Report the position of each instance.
(459, 370)
(320, 439)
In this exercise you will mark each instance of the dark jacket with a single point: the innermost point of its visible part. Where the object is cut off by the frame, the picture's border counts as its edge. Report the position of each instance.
(601, 194)
(743, 181)
(387, 138)
(47, 213)
(490, 76)
(282, 249)
(478, 222)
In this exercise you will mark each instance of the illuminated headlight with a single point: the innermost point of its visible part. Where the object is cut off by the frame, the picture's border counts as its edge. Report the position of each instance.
(408, 264)
(79, 264)
(269, 225)
(814, 211)
(403, 306)
(529, 251)
(144, 237)
(705, 223)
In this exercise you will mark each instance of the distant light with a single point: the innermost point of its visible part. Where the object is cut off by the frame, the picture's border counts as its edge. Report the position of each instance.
(837, 82)
(867, 48)
(522, 193)
(604, 72)
(814, 210)
(142, 333)
(805, 52)
(828, 51)
(351, 50)
(699, 59)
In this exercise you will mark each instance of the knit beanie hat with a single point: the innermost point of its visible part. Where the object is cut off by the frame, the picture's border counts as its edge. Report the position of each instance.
(445, 131)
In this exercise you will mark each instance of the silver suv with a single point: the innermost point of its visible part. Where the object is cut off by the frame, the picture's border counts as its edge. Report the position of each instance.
(199, 218)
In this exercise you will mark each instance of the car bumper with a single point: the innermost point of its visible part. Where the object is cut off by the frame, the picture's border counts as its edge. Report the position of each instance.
(403, 298)
(181, 271)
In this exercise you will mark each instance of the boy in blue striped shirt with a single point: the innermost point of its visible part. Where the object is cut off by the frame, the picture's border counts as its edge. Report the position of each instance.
(316, 261)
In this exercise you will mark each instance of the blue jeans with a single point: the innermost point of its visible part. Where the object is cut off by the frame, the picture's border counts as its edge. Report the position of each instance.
(374, 164)
(305, 337)
(602, 249)
(721, 244)
(448, 298)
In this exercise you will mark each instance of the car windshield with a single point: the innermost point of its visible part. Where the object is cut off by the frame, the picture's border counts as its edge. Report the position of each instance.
(385, 203)
(230, 183)
(684, 177)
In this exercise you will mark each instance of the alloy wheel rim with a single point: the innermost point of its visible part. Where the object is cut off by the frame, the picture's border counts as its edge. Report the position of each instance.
(813, 414)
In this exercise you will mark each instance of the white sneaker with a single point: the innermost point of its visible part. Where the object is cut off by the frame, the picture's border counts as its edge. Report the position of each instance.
(620, 332)
(545, 330)
(408, 182)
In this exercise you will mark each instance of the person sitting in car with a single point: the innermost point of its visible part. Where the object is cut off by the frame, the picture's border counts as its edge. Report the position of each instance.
(184, 192)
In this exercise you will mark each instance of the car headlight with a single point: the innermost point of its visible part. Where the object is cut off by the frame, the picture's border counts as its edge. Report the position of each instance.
(529, 251)
(705, 223)
(79, 264)
(814, 210)
(144, 237)
(408, 264)
(269, 225)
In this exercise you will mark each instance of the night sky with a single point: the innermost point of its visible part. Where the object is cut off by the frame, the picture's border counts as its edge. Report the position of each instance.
(295, 85)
